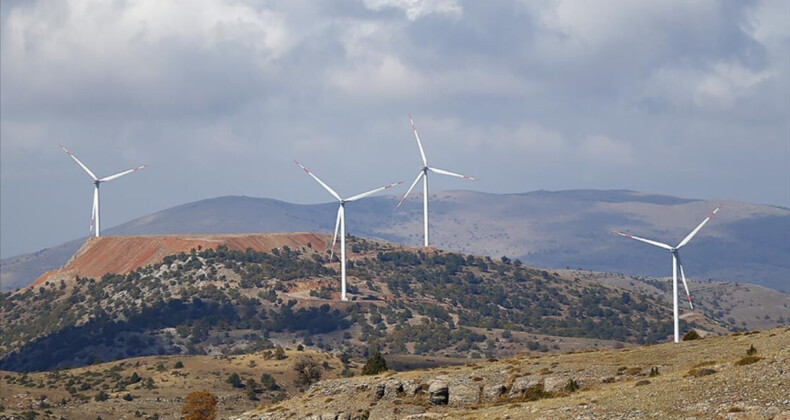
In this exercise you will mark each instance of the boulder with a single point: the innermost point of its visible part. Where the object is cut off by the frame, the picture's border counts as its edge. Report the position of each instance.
(555, 383)
(493, 392)
(378, 390)
(438, 393)
(461, 395)
(521, 384)
(393, 388)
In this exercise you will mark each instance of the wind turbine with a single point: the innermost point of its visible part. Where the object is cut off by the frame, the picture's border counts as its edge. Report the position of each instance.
(424, 175)
(340, 222)
(96, 182)
(676, 264)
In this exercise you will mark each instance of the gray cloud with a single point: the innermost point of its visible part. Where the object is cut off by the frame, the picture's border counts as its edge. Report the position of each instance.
(684, 98)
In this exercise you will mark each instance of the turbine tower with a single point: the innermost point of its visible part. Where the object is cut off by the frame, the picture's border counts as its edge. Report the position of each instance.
(676, 264)
(340, 222)
(96, 182)
(424, 175)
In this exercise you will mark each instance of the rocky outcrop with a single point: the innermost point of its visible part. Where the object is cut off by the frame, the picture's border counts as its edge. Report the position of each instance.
(438, 393)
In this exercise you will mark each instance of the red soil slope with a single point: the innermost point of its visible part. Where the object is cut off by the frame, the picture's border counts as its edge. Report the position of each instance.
(122, 254)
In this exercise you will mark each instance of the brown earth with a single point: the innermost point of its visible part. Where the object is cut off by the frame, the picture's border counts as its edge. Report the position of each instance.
(122, 254)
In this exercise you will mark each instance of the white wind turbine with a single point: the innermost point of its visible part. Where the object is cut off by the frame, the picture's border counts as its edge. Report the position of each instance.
(96, 182)
(340, 223)
(675, 265)
(424, 175)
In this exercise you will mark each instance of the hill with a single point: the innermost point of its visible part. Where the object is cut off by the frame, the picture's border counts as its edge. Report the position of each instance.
(710, 378)
(745, 243)
(226, 295)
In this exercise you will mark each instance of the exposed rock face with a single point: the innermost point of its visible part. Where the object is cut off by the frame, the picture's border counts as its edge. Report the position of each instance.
(378, 390)
(521, 384)
(493, 392)
(555, 383)
(463, 395)
(438, 393)
(393, 388)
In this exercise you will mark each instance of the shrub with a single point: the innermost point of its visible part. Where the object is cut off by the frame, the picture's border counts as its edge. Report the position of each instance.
(374, 365)
(307, 369)
(234, 380)
(200, 405)
(268, 383)
(279, 353)
(101, 396)
(128, 397)
(178, 365)
(691, 335)
(571, 386)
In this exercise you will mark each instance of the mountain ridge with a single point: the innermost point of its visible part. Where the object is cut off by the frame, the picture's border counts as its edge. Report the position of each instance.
(745, 243)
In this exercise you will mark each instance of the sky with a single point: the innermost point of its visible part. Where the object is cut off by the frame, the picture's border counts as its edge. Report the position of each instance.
(685, 98)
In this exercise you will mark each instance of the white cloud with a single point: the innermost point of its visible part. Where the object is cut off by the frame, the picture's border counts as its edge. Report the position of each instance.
(416, 9)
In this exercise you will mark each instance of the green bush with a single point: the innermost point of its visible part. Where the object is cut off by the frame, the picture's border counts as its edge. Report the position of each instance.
(375, 365)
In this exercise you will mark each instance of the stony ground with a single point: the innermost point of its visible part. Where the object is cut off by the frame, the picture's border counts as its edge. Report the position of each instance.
(702, 379)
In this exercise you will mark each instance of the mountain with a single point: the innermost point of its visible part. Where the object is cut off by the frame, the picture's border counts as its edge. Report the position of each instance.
(745, 243)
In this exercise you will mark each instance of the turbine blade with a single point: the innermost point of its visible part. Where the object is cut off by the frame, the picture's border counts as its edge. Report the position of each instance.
(78, 162)
(683, 277)
(694, 232)
(647, 241)
(416, 180)
(419, 143)
(365, 194)
(120, 174)
(443, 172)
(334, 239)
(326, 187)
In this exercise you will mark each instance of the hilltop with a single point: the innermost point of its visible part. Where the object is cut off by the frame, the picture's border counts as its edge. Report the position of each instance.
(745, 243)
(229, 294)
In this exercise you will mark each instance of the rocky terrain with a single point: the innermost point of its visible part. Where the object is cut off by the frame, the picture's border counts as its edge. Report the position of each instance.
(701, 379)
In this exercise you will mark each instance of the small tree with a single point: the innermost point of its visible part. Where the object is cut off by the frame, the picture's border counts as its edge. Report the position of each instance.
(751, 350)
(268, 383)
(307, 369)
(374, 365)
(234, 380)
(200, 405)
(101, 396)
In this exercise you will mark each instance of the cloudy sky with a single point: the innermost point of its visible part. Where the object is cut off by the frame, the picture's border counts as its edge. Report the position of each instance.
(687, 98)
